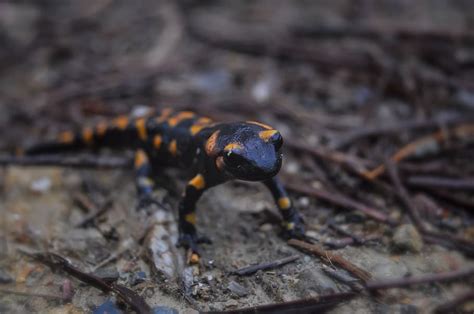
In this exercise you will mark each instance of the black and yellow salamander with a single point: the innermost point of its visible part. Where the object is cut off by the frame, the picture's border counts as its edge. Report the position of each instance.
(212, 152)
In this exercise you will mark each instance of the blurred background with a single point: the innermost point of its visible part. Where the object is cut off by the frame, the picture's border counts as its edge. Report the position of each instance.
(351, 85)
(345, 63)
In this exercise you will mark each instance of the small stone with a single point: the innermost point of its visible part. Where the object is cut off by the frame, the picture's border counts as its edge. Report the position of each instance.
(237, 289)
(231, 303)
(107, 273)
(5, 277)
(164, 310)
(41, 185)
(406, 237)
(108, 307)
(138, 277)
(266, 227)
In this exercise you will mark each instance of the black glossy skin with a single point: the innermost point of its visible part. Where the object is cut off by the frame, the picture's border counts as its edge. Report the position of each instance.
(212, 152)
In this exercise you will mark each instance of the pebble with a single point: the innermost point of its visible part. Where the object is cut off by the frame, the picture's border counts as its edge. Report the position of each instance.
(164, 310)
(5, 277)
(407, 238)
(110, 273)
(138, 277)
(41, 185)
(237, 289)
(108, 307)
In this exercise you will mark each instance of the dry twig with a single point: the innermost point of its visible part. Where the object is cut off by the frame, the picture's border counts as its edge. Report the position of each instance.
(331, 258)
(264, 266)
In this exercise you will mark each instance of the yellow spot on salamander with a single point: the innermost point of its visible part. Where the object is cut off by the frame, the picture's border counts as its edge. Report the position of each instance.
(198, 182)
(260, 124)
(121, 122)
(191, 218)
(199, 125)
(183, 115)
(194, 259)
(284, 203)
(211, 143)
(267, 135)
(290, 226)
(101, 128)
(157, 140)
(140, 159)
(232, 146)
(88, 136)
(165, 113)
(140, 124)
(173, 147)
(66, 137)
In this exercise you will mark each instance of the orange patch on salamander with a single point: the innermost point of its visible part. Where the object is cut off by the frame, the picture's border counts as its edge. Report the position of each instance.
(165, 113)
(173, 147)
(260, 124)
(157, 140)
(183, 115)
(198, 182)
(121, 122)
(66, 137)
(140, 159)
(101, 128)
(211, 143)
(88, 135)
(140, 124)
(232, 146)
(199, 125)
(267, 135)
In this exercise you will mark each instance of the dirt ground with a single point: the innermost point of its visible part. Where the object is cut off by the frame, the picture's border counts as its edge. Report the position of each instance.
(361, 79)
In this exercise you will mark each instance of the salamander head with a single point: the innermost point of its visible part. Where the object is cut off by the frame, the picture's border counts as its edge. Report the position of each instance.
(246, 150)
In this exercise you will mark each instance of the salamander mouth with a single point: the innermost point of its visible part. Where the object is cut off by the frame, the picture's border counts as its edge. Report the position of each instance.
(253, 173)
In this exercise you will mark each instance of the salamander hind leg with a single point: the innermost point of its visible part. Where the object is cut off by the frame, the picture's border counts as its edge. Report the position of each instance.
(144, 181)
(293, 225)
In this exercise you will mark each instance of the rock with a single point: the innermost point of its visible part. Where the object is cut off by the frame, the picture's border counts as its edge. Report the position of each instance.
(41, 185)
(387, 269)
(237, 289)
(5, 277)
(406, 237)
(161, 245)
(138, 277)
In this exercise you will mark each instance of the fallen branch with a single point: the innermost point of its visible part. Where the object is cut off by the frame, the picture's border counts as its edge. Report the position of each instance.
(331, 258)
(384, 130)
(55, 262)
(340, 200)
(405, 197)
(352, 163)
(264, 266)
(93, 210)
(466, 184)
(425, 144)
(461, 274)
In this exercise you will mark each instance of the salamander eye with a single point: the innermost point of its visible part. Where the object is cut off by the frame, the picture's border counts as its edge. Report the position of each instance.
(233, 160)
(277, 140)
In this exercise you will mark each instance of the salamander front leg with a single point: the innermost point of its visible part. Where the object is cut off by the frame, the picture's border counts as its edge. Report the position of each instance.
(188, 236)
(292, 221)
(144, 182)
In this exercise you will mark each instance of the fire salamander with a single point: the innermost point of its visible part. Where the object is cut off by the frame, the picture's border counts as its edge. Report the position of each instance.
(213, 152)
